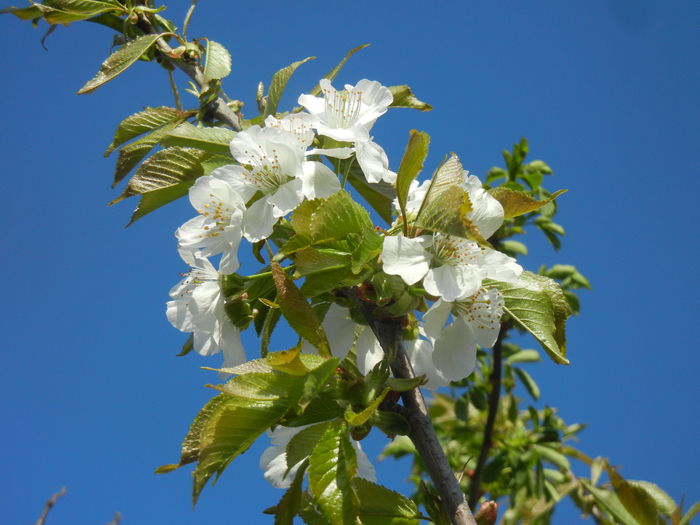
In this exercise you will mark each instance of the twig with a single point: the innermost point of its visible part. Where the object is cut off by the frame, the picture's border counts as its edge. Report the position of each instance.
(422, 434)
(49, 505)
(219, 107)
(176, 93)
(116, 519)
(494, 398)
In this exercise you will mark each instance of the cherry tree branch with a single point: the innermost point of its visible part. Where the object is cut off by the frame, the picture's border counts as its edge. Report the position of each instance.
(422, 434)
(494, 398)
(220, 108)
(49, 505)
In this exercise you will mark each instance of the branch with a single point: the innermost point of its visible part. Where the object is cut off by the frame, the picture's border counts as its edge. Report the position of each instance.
(494, 398)
(389, 332)
(49, 505)
(219, 107)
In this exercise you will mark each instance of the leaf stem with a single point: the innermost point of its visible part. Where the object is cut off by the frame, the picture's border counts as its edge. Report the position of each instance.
(494, 398)
(176, 93)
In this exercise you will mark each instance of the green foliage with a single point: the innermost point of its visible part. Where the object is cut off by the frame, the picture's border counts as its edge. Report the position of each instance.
(277, 85)
(411, 165)
(334, 72)
(120, 61)
(218, 62)
(381, 506)
(210, 139)
(404, 98)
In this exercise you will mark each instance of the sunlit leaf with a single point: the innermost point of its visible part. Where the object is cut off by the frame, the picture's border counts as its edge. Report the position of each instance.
(517, 203)
(217, 63)
(404, 98)
(277, 85)
(212, 139)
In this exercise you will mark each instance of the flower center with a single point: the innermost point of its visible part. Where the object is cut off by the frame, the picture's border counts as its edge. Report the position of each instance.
(454, 251)
(342, 107)
(219, 215)
(265, 171)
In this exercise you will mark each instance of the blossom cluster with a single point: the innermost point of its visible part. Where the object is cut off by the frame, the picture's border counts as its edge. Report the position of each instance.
(275, 169)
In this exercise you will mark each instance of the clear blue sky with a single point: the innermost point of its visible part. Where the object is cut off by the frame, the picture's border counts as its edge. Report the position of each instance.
(92, 394)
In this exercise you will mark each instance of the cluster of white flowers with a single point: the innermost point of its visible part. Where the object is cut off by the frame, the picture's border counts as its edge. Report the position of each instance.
(271, 177)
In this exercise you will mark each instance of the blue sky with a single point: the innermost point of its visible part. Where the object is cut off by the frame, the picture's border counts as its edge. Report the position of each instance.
(92, 394)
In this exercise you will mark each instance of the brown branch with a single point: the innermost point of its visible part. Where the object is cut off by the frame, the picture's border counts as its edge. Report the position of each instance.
(389, 332)
(117, 518)
(220, 108)
(49, 505)
(494, 398)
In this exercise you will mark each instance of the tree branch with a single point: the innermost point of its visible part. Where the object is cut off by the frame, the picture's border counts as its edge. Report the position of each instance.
(494, 398)
(49, 505)
(422, 434)
(220, 108)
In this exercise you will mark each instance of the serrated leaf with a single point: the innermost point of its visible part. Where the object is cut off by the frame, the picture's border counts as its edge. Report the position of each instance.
(217, 63)
(65, 11)
(528, 383)
(131, 154)
(334, 72)
(119, 61)
(277, 85)
(289, 505)
(252, 404)
(537, 304)
(380, 196)
(332, 465)
(411, 165)
(152, 201)
(303, 443)
(381, 506)
(448, 214)
(297, 311)
(638, 502)
(517, 203)
(404, 98)
(214, 139)
(142, 122)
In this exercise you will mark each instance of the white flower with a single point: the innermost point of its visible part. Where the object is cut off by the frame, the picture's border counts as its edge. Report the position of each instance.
(476, 321)
(198, 307)
(420, 353)
(343, 333)
(276, 167)
(347, 115)
(274, 460)
(451, 267)
(218, 227)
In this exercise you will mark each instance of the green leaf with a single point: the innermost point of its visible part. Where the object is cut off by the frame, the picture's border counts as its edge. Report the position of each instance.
(517, 203)
(332, 466)
(155, 199)
(119, 61)
(289, 505)
(514, 247)
(664, 502)
(303, 443)
(398, 384)
(538, 305)
(610, 503)
(252, 404)
(411, 165)
(360, 418)
(166, 168)
(131, 154)
(640, 504)
(553, 456)
(214, 139)
(316, 380)
(142, 122)
(218, 62)
(334, 72)
(277, 85)
(528, 383)
(23, 13)
(692, 511)
(381, 506)
(380, 196)
(404, 98)
(297, 311)
(65, 11)
(524, 356)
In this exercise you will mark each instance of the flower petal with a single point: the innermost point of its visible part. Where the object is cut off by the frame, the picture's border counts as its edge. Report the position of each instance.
(406, 257)
(286, 198)
(455, 351)
(318, 181)
(258, 221)
(369, 351)
(452, 282)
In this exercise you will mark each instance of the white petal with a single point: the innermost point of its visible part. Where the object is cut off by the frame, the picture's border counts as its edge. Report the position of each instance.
(365, 469)
(435, 319)
(336, 153)
(274, 462)
(258, 221)
(455, 351)
(484, 316)
(356, 133)
(500, 267)
(179, 314)
(487, 212)
(374, 162)
(406, 257)
(314, 105)
(234, 354)
(340, 329)
(453, 282)
(420, 353)
(286, 198)
(318, 181)
(369, 351)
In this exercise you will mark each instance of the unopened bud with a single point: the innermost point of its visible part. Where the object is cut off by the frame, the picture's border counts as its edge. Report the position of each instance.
(488, 513)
